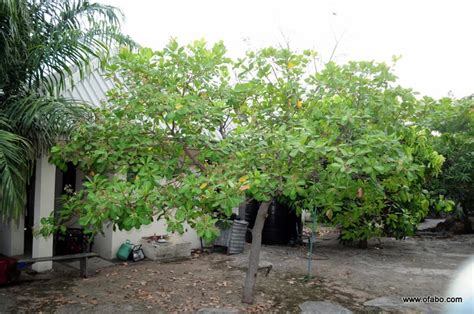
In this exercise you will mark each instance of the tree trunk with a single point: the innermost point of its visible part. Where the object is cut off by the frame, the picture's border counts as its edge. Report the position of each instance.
(251, 277)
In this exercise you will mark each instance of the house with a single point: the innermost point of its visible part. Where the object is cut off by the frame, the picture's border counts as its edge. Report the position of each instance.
(48, 182)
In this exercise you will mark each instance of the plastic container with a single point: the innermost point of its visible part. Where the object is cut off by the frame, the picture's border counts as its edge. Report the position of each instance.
(280, 227)
(233, 237)
(124, 251)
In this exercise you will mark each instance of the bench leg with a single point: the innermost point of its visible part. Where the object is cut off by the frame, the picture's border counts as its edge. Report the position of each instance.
(83, 262)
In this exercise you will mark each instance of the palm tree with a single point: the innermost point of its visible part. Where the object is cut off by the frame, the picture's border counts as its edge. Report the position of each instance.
(42, 43)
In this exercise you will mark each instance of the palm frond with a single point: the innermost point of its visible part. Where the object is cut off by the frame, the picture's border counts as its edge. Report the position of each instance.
(38, 122)
(44, 119)
(50, 40)
(15, 171)
(43, 43)
(63, 41)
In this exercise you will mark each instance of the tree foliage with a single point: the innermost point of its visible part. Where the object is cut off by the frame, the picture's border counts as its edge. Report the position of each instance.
(42, 43)
(189, 133)
(452, 134)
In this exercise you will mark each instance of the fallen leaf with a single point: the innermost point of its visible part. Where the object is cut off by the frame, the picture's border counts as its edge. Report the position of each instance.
(244, 187)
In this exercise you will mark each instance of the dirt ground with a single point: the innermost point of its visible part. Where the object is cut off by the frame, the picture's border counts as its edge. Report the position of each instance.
(418, 266)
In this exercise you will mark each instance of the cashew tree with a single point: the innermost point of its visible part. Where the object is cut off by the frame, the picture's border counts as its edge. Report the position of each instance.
(188, 134)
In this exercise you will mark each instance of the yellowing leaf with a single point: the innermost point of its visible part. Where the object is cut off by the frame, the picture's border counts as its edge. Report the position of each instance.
(329, 214)
(291, 65)
(178, 106)
(244, 187)
(203, 186)
(299, 104)
(243, 179)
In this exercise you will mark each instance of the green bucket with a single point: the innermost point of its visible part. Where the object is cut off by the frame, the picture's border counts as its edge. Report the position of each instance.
(124, 251)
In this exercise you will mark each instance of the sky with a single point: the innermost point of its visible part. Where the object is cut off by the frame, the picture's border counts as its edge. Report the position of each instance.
(434, 38)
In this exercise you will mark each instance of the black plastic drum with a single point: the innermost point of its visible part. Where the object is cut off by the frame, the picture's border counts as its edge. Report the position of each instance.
(282, 225)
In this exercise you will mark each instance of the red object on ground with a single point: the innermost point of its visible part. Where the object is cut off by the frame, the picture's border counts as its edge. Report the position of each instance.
(8, 271)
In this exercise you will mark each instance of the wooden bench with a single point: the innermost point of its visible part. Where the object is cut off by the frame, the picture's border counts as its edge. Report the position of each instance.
(82, 257)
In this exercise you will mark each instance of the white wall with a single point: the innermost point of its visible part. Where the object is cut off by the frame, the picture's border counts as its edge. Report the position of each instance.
(103, 243)
(43, 206)
(108, 245)
(12, 237)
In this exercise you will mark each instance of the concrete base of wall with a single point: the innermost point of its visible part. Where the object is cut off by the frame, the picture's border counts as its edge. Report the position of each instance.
(166, 251)
(107, 245)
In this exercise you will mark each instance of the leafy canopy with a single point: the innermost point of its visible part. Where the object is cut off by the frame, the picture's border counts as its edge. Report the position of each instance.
(188, 134)
(452, 128)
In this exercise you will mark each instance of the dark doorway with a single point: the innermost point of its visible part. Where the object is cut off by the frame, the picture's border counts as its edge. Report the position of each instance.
(68, 178)
(29, 216)
(72, 241)
(63, 180)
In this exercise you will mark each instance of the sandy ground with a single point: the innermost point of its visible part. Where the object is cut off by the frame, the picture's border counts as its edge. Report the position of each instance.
(418, 266)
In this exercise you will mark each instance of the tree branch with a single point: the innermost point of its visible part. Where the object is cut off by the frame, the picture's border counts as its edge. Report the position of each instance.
(196, 162)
